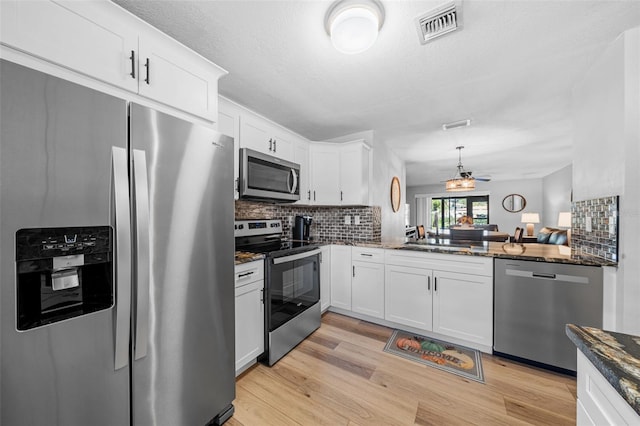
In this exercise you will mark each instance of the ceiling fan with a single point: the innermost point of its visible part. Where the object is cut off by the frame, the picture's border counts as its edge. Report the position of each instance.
(463, 180)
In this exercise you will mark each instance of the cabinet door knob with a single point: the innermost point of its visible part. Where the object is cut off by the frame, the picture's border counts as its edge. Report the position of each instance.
(133, 64)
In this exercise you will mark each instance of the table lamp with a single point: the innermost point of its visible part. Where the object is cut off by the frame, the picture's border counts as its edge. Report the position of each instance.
(530, 219)
(564, 221)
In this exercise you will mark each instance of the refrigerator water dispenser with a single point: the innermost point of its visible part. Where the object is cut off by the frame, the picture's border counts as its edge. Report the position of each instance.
(62, 273)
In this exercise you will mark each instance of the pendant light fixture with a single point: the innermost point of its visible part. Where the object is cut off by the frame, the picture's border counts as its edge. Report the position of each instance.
(462, 181)
(353, 25)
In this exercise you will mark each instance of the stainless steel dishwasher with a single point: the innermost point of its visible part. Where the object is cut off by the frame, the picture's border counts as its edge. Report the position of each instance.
(533, 303)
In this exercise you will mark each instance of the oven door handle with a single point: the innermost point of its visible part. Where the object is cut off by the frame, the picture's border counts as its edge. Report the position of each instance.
(293, 257)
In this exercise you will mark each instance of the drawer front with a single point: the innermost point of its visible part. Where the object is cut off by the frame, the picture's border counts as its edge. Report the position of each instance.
(465, 264)
(364, 254)
(249, 272)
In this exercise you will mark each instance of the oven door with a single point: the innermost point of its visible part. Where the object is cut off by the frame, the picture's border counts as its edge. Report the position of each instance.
(293, 286)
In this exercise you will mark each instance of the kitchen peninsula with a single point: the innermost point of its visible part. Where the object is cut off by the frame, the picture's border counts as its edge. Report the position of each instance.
(531, 251)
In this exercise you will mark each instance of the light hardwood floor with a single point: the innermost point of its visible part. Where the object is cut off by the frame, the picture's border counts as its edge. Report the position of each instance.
(340, 376)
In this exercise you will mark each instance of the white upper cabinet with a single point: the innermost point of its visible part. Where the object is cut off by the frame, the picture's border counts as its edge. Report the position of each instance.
(107, 43)
(81, 36)
(229, 123)
(263, 136)
(325, 174)
(354, 173)
(170, 73)
(301, 157)
(340, 173)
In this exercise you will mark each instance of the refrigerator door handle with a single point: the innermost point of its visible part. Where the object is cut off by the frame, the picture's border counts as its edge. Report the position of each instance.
(120, 187)
(141, 215)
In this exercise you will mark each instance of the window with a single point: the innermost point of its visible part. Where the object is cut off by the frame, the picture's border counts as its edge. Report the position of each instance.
(446, 211)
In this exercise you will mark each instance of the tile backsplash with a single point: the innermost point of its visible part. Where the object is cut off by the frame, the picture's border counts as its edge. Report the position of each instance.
(328, 222)
(602, 240)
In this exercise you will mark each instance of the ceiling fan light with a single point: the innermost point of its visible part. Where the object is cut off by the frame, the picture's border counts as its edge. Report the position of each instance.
(353, 24)
(460, 184)
(463, 181)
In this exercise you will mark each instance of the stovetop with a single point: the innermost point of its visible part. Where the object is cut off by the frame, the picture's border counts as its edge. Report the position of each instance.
(264, 236)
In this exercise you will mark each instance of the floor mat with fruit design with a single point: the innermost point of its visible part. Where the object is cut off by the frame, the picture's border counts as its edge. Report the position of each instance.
(456, 359)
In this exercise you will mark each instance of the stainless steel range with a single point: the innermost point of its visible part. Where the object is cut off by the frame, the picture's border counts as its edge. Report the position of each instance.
(292, 285)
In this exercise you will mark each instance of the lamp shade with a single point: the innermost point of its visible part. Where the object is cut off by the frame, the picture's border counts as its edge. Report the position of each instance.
(353, 24)
(564, 219)
(530, 218)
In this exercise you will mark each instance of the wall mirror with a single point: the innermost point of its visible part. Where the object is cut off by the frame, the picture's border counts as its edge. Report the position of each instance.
(395, 194)
(514, 203)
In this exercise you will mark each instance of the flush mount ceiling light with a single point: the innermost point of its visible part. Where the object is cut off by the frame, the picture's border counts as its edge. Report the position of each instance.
(353, 25)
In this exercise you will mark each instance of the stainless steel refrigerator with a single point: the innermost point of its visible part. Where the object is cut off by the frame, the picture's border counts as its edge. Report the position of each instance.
(116, 250)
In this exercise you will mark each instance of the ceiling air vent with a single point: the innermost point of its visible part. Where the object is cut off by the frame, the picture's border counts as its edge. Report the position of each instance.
(438, 22)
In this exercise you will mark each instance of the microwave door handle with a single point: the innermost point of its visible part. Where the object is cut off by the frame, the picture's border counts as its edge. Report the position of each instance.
(295, 181)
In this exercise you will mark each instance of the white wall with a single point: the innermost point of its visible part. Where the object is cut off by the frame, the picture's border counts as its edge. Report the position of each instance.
(556, 189)
(606, 161)
(385, 166)
(530, 189)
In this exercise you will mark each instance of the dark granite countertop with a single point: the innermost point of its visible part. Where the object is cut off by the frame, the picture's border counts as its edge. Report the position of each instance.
(615, 355)
(534, 252)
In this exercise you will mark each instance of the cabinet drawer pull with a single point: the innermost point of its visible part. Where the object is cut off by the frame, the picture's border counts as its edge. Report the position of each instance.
(428, 283)
(245, 274)
(366, 254)
(133, 64)
(146, 64)
(354, 271)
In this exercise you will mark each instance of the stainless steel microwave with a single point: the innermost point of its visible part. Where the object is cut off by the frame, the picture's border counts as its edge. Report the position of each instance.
(267, 178)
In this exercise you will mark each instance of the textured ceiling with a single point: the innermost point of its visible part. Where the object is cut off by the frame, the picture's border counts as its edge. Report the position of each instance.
(510, 69)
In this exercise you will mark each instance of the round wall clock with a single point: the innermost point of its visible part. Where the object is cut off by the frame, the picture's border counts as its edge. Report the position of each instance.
(395, 194)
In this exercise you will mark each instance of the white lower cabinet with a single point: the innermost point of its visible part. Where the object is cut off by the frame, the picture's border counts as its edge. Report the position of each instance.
(463, 306)
(408, 296)
(443, 294)
(367, 281)
(598, 402)
(249, 307)
(325, 278)
(424, 291)
(341, 277)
